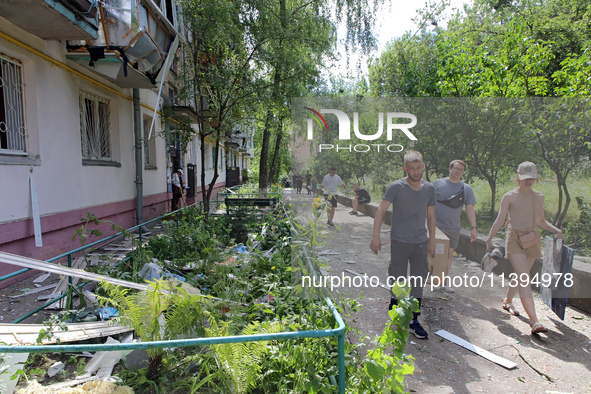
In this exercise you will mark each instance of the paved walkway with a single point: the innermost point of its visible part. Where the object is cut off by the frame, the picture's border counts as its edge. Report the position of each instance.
(472, 313)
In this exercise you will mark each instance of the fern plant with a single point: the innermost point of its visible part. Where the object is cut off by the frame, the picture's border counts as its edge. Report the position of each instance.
(163, 312)
(241, 361)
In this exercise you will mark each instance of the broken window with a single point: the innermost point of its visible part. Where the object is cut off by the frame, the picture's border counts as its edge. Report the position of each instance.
(12, 119)
(95, 127)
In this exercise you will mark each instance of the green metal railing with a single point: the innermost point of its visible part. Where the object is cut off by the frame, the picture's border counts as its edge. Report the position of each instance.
(102, 242)
(338, 332)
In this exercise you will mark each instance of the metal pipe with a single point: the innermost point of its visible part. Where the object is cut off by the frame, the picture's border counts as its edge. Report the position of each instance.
(139, 162)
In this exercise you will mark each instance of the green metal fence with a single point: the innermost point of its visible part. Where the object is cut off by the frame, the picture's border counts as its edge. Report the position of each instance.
(338, 332)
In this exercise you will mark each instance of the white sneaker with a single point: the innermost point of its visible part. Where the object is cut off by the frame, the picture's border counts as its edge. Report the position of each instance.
(448, 289)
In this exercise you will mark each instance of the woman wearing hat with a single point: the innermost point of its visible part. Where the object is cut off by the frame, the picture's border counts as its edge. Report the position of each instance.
(525, 208)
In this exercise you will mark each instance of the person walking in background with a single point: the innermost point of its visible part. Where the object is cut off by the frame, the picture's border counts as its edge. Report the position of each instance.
(314, 185)
(525, 208)
(413, 201)
(308, 180)
(299, 180)
(177, 188)
(330, 184)
(452, 195)
(361, 197)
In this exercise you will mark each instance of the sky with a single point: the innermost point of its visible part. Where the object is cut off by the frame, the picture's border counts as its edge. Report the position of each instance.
(393, 21)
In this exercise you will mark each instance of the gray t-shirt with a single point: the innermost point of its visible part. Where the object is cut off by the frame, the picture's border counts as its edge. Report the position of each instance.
(449, 218)
(409, 210)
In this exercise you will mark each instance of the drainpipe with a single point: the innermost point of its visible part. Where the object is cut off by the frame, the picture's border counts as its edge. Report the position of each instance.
(139, 163)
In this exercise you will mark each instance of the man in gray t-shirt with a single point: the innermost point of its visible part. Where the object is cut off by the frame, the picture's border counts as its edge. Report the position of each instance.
(413, 202)
(452, 195)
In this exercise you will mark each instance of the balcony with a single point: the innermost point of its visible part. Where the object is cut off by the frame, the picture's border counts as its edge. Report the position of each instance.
(135, 37)
(53, 19)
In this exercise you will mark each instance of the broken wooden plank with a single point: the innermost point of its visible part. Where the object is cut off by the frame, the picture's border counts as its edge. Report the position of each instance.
(473, 348)
(9, 258)
(41, 278)
(27, 334)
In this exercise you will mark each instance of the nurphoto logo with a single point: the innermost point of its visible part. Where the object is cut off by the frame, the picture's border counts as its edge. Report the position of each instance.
(345, 130)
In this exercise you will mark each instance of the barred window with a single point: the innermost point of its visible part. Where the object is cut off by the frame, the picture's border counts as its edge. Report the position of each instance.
(12, 118)
(94, 127)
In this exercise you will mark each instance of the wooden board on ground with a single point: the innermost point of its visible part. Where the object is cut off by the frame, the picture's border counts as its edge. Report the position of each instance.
(473, 348)
(27, 334)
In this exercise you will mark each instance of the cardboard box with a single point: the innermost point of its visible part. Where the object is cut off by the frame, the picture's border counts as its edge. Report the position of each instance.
(437, 263)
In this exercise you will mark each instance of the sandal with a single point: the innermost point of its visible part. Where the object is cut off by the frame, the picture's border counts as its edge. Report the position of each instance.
(510, 308)
(537, 328)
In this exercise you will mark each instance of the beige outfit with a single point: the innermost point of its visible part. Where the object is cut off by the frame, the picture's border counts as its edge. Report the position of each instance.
(522, 221)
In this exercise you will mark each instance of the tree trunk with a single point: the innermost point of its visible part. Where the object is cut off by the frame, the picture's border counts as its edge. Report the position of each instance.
(265, 152)
(204, 196)
(215, 166)
(493, 192)
(566, 205)
(276, 153)
(559, 183)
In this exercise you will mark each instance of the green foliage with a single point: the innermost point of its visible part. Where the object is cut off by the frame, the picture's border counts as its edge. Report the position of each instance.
(161, 313)
(385, 366)
(242, 361)
(577, 232)
(54, 322)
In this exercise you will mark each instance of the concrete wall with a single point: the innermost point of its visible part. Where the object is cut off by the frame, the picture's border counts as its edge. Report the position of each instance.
(579, 294)
(67, 188)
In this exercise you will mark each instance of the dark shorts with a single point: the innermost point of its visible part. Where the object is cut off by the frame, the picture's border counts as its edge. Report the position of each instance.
(332, 199)
(362, 200)
(453, 235)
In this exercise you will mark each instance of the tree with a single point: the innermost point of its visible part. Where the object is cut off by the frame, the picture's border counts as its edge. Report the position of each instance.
(216, 75)
(301, 37)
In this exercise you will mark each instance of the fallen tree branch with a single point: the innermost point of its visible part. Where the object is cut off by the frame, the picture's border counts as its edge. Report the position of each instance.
(548, 377)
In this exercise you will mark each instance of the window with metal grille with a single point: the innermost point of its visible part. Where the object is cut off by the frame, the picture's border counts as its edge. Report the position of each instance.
(12, 117)
(95, 127)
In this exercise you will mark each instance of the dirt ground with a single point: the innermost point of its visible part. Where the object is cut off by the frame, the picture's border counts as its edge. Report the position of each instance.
(471, 313)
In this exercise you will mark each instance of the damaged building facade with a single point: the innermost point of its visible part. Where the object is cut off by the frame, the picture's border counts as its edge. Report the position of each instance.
(82, 87)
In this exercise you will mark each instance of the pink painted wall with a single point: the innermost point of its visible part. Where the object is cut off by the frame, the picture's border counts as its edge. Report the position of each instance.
(58, 229)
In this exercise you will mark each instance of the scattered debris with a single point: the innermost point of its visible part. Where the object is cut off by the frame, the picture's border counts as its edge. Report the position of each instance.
(93, 386)
(9, 258)
(41, 278)
(328, 253)
(481, 352)
(55, 369)
(33, 291)
(531, 366)
(27, 334)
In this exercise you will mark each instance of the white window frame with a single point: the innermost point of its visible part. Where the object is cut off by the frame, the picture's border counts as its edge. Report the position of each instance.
(12, 123)
(95, 141)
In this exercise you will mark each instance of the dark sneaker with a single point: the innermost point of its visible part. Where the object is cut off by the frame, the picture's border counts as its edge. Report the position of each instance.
(353, 213)
(418, 330)
(330, 223)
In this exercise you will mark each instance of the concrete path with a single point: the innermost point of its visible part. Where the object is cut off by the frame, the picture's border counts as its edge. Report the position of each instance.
(472, 313)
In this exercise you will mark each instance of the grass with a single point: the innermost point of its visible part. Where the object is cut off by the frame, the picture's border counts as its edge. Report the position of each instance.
(578, 186)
